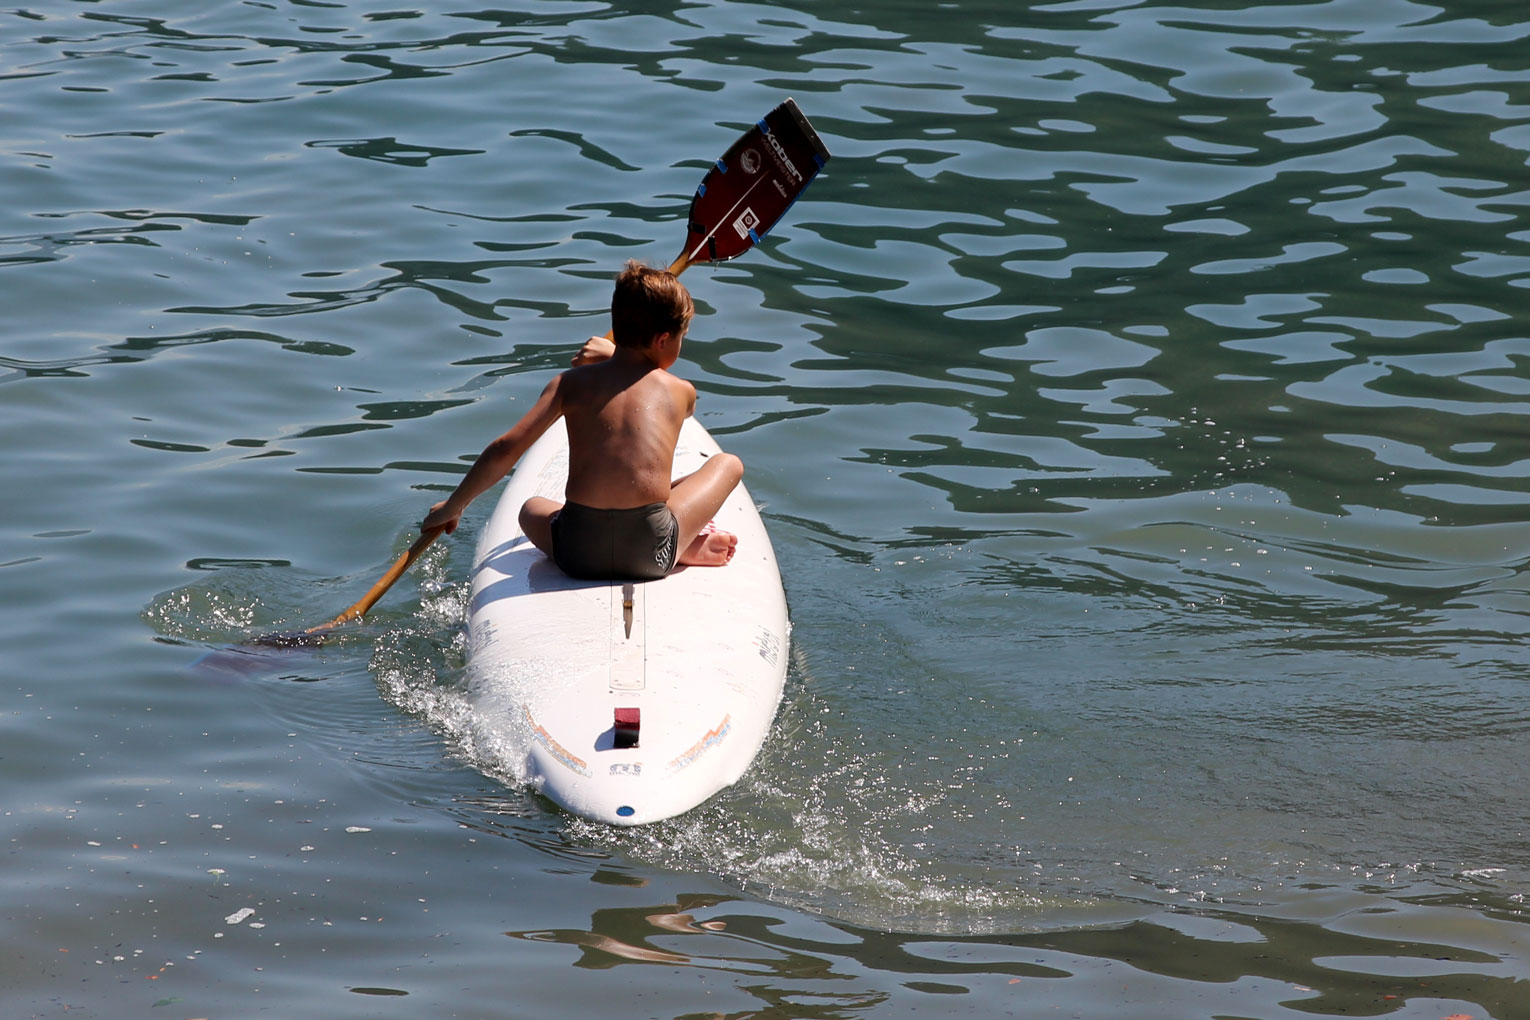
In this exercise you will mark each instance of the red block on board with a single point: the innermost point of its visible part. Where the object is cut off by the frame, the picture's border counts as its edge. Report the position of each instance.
(628, 721)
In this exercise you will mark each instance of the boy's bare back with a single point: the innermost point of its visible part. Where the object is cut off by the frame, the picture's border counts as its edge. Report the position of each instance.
(623, 417)
(623, 412)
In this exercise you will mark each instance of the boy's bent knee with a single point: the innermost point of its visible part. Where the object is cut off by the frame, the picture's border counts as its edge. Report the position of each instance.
(536, 521)
(730, 465)
(536, 512)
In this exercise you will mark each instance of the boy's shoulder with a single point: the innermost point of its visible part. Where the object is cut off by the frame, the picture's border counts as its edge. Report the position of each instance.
(605, 377)
(675, 383)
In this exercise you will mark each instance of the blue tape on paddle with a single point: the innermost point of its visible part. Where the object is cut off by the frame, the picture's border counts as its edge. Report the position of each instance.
(722, 167)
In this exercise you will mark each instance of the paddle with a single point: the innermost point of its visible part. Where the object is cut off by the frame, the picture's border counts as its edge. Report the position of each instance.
(751, 187)
(741, 197)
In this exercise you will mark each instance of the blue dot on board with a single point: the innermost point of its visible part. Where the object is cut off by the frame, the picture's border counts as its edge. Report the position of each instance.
(625, 812)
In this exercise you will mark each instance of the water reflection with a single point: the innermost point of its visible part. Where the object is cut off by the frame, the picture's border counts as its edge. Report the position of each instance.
(1207, 963)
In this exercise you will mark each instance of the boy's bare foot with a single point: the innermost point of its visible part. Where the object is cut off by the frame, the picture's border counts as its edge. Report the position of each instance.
(711, 548)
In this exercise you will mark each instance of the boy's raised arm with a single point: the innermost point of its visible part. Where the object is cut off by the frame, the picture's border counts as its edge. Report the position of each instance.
(596, 348)
(497, 459)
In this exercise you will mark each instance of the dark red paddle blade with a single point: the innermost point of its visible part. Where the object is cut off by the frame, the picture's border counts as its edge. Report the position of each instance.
(753, 185)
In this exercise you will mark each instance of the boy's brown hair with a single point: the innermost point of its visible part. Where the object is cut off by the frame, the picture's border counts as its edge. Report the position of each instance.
(647, 302)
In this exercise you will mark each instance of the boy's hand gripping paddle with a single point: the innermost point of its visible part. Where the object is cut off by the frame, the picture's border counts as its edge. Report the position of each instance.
(741, 197)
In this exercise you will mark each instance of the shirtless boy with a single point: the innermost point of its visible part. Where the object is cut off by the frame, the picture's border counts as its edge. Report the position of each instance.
(624, 518)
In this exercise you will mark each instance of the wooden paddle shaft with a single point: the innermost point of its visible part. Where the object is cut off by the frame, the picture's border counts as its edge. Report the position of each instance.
(385, 582)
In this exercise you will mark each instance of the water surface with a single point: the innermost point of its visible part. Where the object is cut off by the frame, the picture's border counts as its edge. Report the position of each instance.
(1135, 403)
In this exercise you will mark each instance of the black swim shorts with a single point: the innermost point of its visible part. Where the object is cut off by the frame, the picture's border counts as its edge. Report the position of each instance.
(617, 545)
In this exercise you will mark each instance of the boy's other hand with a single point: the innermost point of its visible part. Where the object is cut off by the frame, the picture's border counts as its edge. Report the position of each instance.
(596, 348)
(440, 519)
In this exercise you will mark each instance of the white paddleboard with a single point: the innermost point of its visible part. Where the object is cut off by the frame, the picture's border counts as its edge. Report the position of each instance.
(699, 655)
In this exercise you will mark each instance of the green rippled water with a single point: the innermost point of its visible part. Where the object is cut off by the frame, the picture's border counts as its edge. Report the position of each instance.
(1136, 402)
